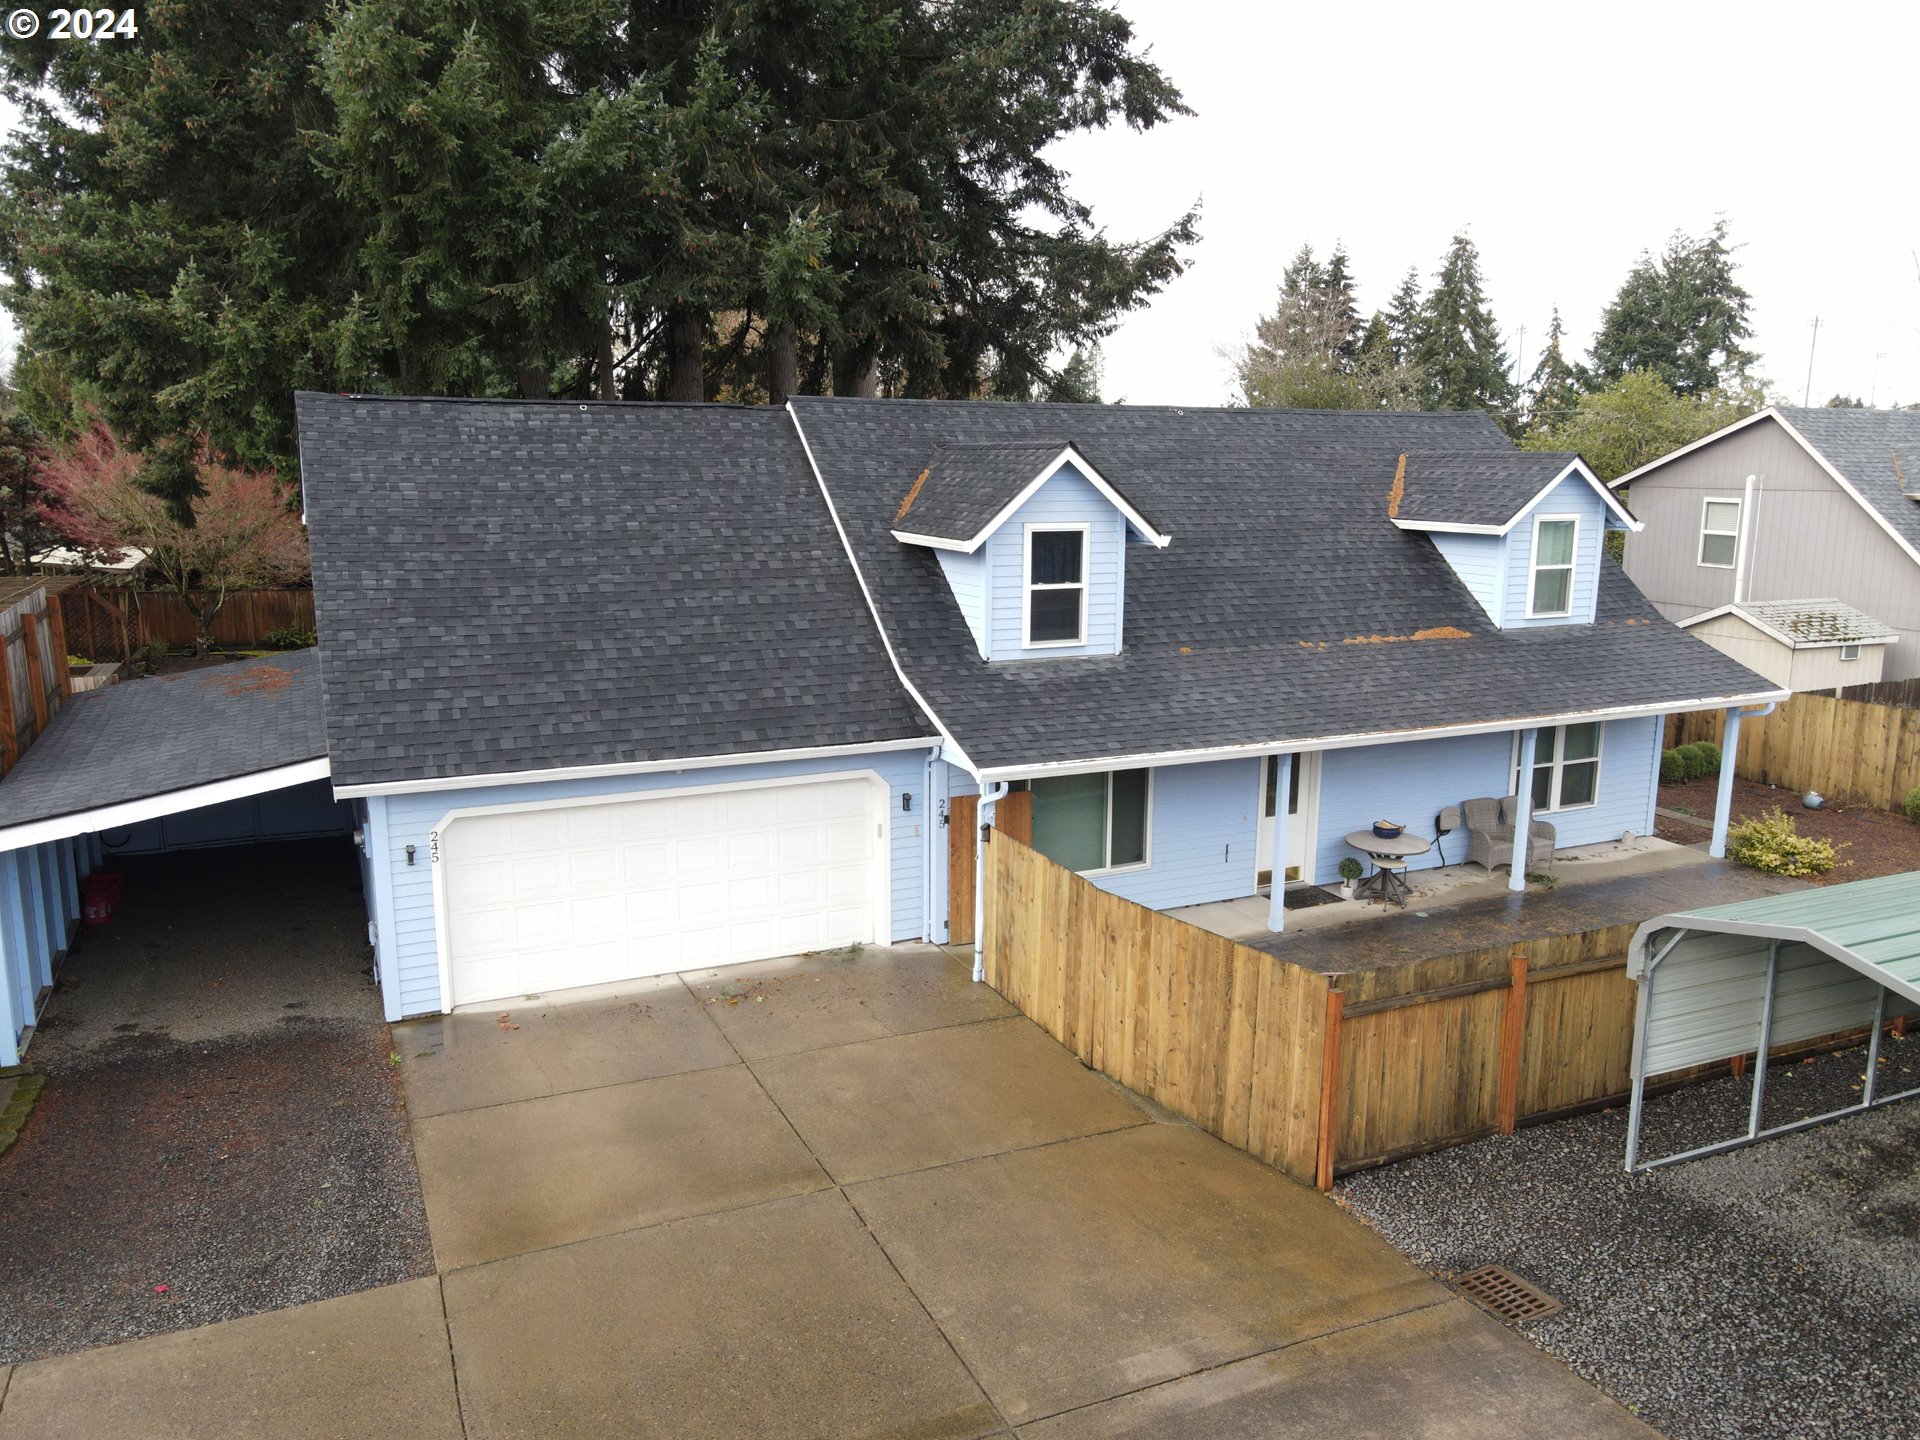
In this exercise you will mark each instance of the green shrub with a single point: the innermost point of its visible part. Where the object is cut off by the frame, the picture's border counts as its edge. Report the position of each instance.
(289, 637)
(1701, 759)
(1913, 804)
(1673, 767)
(1351, 869)
(1772, 842)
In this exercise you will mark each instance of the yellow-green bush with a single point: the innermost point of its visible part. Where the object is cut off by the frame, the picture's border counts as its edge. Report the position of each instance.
(1772, 842)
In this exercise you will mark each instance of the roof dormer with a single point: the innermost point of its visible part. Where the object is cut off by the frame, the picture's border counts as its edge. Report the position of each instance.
(1522, 529)
(1032, 539)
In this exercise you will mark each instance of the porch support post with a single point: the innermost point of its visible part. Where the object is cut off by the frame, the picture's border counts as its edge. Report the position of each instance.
(1723, 802)
(1522, 813)
(1277, 899)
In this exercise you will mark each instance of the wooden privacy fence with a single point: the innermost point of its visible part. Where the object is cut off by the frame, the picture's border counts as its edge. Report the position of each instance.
(1849, 750)
(1317, 1075)
(34, 682)
(1904, 693)
(105, 624)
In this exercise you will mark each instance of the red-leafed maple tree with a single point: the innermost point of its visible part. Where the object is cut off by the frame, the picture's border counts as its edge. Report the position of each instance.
(244, 534)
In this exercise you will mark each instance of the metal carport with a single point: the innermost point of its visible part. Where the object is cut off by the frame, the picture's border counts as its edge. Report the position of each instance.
(1763, 976)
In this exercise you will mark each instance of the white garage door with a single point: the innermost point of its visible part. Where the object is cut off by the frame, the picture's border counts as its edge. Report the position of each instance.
(548, 898)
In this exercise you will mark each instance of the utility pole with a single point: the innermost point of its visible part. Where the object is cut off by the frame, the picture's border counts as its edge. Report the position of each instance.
(1873, 390)
(1807, 396)
(1519, 354)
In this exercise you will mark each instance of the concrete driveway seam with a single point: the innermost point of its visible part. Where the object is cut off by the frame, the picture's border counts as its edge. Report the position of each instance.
(576, 1090)
(453, 1355)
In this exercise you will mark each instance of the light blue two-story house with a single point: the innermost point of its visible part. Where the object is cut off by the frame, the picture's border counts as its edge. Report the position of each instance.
(619, 690)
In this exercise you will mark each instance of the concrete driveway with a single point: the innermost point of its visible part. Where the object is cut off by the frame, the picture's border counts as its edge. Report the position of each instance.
(843, 1196)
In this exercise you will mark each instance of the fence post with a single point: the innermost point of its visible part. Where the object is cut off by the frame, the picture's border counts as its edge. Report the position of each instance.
(9, 722)
(36, 675)
(1329, 1091)
(1513, 1034)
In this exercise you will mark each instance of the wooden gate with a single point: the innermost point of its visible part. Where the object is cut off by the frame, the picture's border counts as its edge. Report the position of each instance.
(1013, 815)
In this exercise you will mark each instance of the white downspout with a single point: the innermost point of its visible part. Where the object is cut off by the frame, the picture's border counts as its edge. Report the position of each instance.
(1742, 541)
(990, 794)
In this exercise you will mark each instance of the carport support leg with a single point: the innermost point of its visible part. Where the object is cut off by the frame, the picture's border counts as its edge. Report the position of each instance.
(1723, 800)
(1873, 1046)
(1766, 1041)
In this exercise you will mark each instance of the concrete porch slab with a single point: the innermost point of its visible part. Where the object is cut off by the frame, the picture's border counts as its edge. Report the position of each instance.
(375, 1363)
(780, 1007)
(1443, 1373)
(782, 1319)
(467, 1060)
(1076, 1272)
(544, 1172)
(910, 1101)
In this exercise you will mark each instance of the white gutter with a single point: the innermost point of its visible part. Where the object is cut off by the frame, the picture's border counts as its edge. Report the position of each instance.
(152, 807)
(1371, 737)
(626, 767)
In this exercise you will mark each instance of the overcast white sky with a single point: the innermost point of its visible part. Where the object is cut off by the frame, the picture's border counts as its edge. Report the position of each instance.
(1566, 139)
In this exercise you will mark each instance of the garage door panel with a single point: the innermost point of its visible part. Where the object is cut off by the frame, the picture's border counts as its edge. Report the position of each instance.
(603, 891)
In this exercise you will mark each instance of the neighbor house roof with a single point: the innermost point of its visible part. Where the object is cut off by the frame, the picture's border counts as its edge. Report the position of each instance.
(1804, 624)
(965, 492)
(170, 735)
(1287, 610)
(506, 588)
(1484, 491)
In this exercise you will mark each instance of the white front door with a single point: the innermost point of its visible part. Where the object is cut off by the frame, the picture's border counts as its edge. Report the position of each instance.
(551, 896)
(1303, 804)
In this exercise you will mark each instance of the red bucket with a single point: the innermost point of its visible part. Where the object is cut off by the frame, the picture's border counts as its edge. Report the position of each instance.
(98, 892)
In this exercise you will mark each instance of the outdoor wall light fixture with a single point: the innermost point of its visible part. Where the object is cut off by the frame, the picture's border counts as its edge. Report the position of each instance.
(409, 854)
(906, 800)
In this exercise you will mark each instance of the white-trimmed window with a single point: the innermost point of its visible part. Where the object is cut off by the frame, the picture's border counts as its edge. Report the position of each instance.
(1055, 608)
(1093, 823)
(1566, 767)
(1719, 532)
(1850, 652)
(1556, 540)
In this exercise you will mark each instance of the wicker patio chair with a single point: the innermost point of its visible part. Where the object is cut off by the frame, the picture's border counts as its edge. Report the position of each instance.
(1490, 835)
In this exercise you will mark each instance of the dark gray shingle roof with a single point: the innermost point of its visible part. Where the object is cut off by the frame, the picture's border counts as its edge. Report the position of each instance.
(1879, 453)
(962, 487)
(1484, 487)
(143, 738)
(508, 586)
(1284, 610)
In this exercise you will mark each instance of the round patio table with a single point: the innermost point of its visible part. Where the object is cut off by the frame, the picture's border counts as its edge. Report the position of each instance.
(1386, 881)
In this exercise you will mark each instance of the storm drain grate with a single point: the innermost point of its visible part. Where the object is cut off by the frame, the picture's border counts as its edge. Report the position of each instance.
(1496, 1288)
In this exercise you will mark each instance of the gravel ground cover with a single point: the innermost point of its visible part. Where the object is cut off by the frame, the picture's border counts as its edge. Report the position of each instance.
(1772, 1291)
(222, 1131)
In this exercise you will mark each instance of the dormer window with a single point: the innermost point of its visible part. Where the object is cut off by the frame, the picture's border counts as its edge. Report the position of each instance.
(1550, 582)
(1056, 585)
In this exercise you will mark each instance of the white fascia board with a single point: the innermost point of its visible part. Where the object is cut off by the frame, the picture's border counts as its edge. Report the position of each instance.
(1376, 737)
(1448, 527)
(628, 767)
(1099, 482)
(152, 807)
(1759, 930)
(1701, 443)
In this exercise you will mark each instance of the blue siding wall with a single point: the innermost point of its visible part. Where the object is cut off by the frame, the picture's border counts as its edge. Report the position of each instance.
(39, 911)
(1411, 783)
(1629, 774)
(414, 957)
(1202, 825)
(1068, 498)
(17, 966)
(967, 578)
(1480, 562)
(1572, 496)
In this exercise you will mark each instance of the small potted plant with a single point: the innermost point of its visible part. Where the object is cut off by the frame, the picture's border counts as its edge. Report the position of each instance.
(1349, 876)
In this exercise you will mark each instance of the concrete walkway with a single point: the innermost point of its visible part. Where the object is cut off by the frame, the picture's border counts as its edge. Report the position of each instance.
(845, 1196)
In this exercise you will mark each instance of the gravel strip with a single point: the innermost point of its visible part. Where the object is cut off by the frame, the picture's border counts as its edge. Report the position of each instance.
(1769, 1291)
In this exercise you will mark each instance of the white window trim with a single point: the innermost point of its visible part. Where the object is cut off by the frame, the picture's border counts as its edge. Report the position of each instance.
(1854, 647)
(1740, 519)
(1145, 862)
(1559, 765)
(1027, 585)
(1572, 567)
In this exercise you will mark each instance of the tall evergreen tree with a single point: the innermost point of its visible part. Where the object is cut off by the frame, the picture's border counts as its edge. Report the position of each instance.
(1403, 316)
(1556, 384)
(1338, 302)
(1458, 346)
(1684, 316)
(1311, 352)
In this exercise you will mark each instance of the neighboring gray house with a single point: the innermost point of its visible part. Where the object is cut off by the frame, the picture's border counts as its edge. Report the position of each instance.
(1799, 505)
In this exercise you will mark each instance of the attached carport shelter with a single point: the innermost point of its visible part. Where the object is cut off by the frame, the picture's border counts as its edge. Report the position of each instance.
(1759, 977)
(229, 754)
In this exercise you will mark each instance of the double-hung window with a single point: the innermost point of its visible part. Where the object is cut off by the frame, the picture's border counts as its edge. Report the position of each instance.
(1719, 533)
(1092, 822)
(1566, 767)
(1550, 580)
(1056, 585)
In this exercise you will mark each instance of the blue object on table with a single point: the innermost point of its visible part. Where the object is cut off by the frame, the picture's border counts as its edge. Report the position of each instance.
(1387, 829)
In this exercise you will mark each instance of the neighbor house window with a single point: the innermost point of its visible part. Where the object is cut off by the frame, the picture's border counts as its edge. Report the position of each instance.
(1550, 585)
(1056, 585)
(1719, 533)
(1849, 652)
(1092, 822)
(1566, 767)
